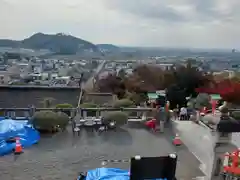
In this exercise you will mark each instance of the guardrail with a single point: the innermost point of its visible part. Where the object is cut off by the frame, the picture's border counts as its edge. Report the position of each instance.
(37, 87)
(83, 109)
(73, 111)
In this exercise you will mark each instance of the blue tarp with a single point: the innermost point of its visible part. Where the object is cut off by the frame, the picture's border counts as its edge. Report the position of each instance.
(108, 174)
(16, 128)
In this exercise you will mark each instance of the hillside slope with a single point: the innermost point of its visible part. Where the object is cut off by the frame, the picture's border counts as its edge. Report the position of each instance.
(57, 43)
(108, 48)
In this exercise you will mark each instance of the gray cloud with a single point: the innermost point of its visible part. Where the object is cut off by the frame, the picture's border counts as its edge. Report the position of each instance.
(172, 23)
(173, 11)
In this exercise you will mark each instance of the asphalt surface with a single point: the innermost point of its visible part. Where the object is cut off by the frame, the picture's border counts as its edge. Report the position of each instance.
(62, 156)
(200, 141)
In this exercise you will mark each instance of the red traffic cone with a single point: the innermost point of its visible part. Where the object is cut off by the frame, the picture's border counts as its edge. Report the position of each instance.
(177, 141)
(18, 147)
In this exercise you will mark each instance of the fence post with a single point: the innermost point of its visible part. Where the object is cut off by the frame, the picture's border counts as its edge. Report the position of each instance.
(32, 110)
(84, 114)
(72, 113)
(13, 114)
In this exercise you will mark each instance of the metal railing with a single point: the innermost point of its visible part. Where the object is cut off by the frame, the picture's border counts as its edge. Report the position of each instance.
(80, 97)
(37, 87)
(74, 111)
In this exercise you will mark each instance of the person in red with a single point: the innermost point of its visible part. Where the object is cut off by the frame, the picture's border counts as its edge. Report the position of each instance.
(151, 124)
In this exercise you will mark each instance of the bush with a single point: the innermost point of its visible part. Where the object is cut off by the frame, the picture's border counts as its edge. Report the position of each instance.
(119, 117)
(45, 120)
(89, 105)
(123, 103)
(49, 120)
(137, 98)
(65, 105)
(63, 119)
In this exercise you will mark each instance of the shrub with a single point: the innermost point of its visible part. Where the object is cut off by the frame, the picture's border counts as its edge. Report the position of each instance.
(119, 117)
(50, 121)
(123, 103)
(45, 120)
(137, 98)
(89, 105)
(65, 105)
(63, 120)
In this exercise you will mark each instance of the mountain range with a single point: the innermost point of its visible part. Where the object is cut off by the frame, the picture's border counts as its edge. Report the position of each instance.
(58, 43)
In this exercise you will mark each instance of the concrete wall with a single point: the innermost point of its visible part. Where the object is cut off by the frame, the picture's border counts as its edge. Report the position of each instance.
(20, 96)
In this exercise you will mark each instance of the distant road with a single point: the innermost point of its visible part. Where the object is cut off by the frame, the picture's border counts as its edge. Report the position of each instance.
(89, 82)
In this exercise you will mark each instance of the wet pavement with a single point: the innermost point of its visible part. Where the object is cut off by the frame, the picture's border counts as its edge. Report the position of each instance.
(62, 156)
(200, 141)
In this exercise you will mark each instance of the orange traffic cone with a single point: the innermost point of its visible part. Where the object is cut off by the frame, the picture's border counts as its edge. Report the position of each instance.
(177, 141)
(18, 147)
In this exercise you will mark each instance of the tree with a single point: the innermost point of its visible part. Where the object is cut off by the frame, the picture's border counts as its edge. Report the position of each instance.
(189, 78)
(176, 96)
(112, 83)
(228, 89)
(180, 82)
(122, 73)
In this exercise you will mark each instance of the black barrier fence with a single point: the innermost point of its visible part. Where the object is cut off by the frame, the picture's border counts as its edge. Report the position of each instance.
(163, 167)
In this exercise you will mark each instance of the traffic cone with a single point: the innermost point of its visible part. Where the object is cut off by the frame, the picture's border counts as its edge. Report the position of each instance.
(177, 141)
(18, 147)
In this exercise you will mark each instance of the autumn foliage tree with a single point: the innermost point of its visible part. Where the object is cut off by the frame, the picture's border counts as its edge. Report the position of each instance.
(112, 83)
(180, 81)
(228, 89)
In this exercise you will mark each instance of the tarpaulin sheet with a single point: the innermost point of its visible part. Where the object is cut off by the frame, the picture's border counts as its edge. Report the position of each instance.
(16, 128)
(108, 174)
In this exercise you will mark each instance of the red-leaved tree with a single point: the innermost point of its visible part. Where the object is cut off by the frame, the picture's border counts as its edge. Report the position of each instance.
(228, 89)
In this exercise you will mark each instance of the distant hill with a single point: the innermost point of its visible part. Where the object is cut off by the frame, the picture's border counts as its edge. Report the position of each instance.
(57, 43)
(108, 48)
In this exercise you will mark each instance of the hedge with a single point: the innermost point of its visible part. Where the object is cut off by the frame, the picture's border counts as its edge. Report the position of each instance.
(49, 120)
(89, 105)
(123, 103)
(119, 117)
(65, 105)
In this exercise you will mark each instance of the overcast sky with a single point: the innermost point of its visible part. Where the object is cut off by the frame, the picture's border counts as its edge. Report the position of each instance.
(164, 23)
